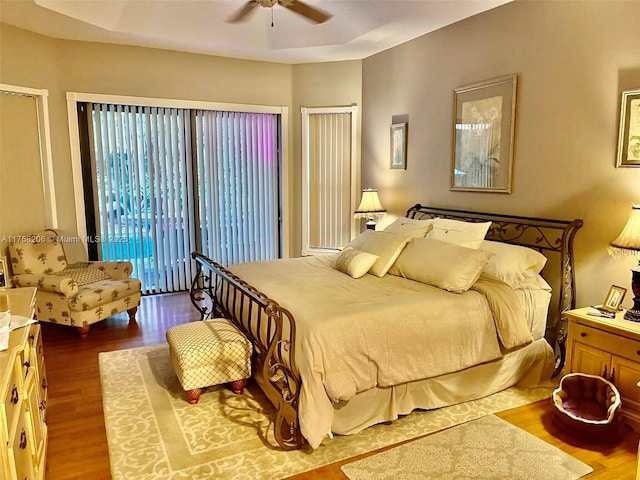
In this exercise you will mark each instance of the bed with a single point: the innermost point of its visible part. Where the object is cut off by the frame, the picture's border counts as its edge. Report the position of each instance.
(337, 352)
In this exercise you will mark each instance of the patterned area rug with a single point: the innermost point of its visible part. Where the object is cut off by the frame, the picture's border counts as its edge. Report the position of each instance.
(154, 433)
(485, 449)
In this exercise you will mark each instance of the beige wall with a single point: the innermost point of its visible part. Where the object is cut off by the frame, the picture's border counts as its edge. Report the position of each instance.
(321, 85)
(61, 66)
(573, 59)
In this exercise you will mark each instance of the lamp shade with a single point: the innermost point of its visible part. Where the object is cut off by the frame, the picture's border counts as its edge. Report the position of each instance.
(628, 242)
(370, 205)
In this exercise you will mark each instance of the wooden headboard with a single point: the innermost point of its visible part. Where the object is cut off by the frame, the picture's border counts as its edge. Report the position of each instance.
(553, 238)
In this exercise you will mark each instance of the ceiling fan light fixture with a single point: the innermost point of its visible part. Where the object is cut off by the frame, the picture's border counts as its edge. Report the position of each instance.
(310, 13)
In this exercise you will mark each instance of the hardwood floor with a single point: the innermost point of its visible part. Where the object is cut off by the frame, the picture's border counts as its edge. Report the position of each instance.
(77, 438)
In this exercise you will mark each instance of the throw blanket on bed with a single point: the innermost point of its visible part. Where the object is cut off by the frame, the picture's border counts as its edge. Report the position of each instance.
(353, 335)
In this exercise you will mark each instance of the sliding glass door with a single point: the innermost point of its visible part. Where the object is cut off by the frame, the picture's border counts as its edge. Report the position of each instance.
(164, 182)
(237, 175)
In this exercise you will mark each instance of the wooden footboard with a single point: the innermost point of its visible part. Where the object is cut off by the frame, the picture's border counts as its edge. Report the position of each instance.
(215, 291)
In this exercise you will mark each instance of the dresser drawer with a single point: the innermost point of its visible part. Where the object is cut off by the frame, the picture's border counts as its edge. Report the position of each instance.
(42, 391)
(34, 414)
(12, 394)
(609, 342)
(21, 453)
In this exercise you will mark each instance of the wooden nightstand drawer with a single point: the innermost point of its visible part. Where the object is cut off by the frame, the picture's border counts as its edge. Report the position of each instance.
(623, 347)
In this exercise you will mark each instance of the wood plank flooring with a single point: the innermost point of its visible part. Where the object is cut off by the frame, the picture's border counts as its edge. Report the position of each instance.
(77, 438)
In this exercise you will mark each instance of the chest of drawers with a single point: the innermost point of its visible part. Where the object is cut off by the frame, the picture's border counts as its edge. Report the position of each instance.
(23, 397)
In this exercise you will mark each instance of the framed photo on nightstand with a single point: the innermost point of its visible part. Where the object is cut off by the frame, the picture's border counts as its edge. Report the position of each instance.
(614, 298)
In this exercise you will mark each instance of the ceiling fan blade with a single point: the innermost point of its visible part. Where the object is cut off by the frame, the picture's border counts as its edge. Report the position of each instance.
(243, 12)
(305, 10)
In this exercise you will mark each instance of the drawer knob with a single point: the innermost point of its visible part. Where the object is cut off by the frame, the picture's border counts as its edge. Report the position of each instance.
(14, 395)
(583, 334)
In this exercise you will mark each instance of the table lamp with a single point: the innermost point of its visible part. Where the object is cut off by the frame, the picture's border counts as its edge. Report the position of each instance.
(628, 244)
(370, 207)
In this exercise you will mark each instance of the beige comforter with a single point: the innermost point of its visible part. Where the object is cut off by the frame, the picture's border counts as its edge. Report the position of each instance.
(353, 335)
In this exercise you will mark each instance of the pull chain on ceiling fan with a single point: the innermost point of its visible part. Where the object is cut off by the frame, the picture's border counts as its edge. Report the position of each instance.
(296, 6)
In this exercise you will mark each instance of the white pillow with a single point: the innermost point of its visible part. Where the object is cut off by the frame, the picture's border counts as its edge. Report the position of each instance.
(465, 234)
(410, 227)
(354, 262)
(387, 246)
(514, 265)
(441, 264)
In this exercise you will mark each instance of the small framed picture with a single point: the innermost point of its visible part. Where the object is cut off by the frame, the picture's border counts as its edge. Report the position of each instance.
(614, 298)
(399, 146)
(4, 273)
(629, 136)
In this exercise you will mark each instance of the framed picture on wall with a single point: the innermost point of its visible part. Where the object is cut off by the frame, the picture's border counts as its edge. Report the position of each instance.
(4, 273)
(629, 137)
(483, 133)
(399, 146)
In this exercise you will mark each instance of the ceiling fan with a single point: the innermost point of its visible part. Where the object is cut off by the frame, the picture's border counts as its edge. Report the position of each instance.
(301, 8)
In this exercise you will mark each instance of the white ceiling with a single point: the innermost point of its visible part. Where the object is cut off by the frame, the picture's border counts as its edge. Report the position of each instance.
(356, 30)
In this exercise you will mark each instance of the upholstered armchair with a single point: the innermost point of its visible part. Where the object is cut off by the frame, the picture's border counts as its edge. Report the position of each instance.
(77, 294)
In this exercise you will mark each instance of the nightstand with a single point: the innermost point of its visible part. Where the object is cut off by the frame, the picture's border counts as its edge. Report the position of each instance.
(609, 347)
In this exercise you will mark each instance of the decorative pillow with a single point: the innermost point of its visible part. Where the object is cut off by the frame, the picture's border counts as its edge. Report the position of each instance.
(387, 246)
(514, 265)
(465, 234)
(84, 276)
(410, 227)
(441, 264)
(355, 262)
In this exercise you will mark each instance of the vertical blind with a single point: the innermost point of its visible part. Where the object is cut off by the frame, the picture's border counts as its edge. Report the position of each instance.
(329, 180)
(157, 200)
(144, 194)
(237, 169)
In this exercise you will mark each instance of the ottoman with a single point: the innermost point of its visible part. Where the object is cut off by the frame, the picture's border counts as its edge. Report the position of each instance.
(209, 352)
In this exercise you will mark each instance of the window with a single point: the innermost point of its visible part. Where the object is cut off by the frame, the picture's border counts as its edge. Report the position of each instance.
(330, 177)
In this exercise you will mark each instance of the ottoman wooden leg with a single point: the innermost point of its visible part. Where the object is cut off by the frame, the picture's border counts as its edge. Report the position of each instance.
(238, 386)
(132, 314)
(193, 395)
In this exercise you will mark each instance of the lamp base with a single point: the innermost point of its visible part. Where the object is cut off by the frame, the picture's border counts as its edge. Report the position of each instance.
(371, 225)
(633, 314)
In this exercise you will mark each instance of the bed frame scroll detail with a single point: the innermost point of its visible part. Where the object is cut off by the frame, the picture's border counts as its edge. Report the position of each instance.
(215, 291)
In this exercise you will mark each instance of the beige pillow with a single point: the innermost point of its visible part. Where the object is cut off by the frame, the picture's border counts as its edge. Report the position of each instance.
(410, 227)
(355, 262)
(514, 265)
(465, 234)
(387, 246)
(441, 264)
